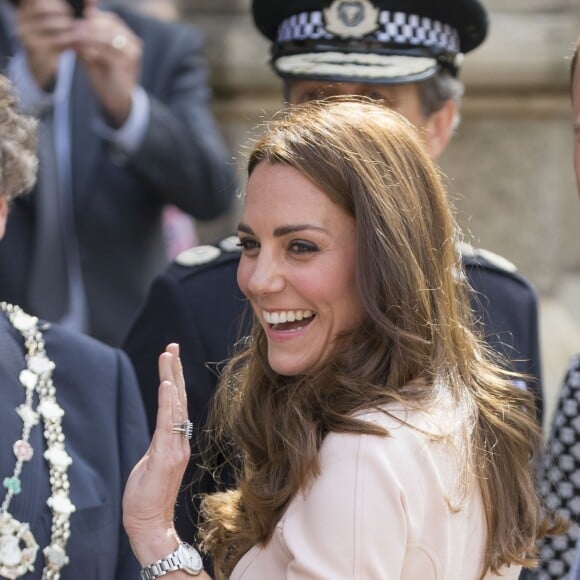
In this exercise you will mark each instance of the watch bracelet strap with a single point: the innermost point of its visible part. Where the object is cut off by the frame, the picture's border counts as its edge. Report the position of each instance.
(169, 564)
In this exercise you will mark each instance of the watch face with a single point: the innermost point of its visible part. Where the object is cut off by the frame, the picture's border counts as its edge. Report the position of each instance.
(190, 558)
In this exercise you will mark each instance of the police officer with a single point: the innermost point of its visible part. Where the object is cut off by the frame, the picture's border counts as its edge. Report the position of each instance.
(405, 53)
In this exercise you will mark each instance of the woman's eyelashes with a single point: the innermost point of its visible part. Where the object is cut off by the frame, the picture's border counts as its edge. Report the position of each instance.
(252, 246)
(248, 244)
(302, 247)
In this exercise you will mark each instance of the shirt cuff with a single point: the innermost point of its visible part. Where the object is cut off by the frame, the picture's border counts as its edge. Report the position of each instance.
(129, 136)
(32, 100)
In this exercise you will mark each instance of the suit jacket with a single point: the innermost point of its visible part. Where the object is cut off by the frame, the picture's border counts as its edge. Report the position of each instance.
(105, 434)
(201, 307)
(118, 200)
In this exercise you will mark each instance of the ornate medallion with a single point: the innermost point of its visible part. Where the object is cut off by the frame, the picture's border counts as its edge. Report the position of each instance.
(18, 548)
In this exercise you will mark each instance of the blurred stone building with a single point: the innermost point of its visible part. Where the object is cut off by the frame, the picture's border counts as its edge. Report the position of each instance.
(509, 166)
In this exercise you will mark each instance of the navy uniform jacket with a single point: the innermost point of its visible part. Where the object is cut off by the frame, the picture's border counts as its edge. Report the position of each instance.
(197, 303)
(506, 305)
(105, 434)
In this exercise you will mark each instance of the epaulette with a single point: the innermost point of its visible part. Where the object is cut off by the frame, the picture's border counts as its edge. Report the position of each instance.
(210, 256)
(483, 257)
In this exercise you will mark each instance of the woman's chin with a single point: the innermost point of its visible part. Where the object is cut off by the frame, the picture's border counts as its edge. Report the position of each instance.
(289, 368)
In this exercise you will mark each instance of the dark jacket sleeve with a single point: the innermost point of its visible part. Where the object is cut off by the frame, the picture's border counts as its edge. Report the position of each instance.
(183, 157)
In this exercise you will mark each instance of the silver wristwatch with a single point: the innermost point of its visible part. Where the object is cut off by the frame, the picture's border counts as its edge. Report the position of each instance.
(185, 558)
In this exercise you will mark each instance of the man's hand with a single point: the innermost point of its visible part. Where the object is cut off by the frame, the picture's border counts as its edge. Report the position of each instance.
(111, 54)
(45, 29)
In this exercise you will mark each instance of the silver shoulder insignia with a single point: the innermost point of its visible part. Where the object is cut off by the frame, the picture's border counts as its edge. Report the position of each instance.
(197, 255)
(230, 244)
(498, 261)
(465, 249)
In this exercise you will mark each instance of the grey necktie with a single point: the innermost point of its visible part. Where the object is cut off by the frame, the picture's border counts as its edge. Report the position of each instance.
(56, 285)
(49, 282)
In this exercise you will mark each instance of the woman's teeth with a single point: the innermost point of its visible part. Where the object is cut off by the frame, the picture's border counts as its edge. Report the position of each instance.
(286, 316)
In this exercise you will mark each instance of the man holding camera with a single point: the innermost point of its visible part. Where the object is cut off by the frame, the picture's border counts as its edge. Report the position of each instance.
(126, 128)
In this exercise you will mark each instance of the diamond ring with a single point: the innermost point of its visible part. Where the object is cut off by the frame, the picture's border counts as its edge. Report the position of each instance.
(119, 42)
(185, 429)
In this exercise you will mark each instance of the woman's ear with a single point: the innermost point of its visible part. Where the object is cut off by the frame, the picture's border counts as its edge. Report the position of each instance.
(438, 128)
(3, 214)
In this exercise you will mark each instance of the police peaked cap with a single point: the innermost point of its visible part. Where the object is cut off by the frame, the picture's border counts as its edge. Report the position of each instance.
(374, 41)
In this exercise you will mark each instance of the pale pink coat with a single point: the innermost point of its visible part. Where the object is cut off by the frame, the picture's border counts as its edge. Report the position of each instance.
(378, 511)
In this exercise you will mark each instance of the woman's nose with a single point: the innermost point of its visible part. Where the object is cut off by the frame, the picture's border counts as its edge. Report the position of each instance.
(267, 277)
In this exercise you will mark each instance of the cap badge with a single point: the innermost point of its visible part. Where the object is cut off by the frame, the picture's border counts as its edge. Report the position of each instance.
(351, 18)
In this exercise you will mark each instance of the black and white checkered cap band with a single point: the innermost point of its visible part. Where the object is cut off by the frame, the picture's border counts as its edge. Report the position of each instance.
(394, 27)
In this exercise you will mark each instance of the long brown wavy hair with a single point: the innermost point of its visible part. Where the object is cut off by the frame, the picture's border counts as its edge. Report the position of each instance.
(415, 346)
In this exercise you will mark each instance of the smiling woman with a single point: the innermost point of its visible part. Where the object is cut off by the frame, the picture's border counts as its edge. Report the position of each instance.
(367, 419)
(346, 219)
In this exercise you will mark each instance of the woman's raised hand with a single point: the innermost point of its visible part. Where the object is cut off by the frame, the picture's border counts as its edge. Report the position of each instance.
(152, 487)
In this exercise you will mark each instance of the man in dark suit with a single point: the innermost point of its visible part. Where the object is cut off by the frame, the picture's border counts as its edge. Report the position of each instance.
(72, 424)
(105, 434)
(320, 48)
(126, 129)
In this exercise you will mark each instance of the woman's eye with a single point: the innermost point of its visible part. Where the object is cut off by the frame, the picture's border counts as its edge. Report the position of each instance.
(248, 244)
(302, 247)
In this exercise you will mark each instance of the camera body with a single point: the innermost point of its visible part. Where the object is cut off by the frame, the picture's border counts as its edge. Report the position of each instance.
(78, 7)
